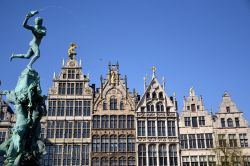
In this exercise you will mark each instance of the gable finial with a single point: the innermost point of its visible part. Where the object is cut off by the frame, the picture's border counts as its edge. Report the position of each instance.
(145, 82)
(63, 63)
(154, 71)
(163, 83)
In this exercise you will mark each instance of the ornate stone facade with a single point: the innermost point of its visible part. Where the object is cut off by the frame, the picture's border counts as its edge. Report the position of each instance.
(67, 125)
(157, 142)
(113, 122)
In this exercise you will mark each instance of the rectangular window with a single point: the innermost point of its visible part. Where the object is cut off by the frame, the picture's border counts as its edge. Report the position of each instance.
(59, 129)
(192, 141)
(130, 122)
(122, 121)
(209, 140)
(60, 108)
(194, 161)
(86, 129)
(203, 161)
(222, 122)
(243, 140)
(51, 129)
(187, 121)
(222, 140)
(211, 161)
(184, 141)
(151, 128)
(232, 140)
(86, 108)
(78, 108)
(171, 128)
(161, 128)
(78, 88)
(85, 154)
(71, 74)
(141, 128)
(185, 160)
(77, 129)
(61, 88)
(194, 122)
(228, 109)
(70, 88)
(69, 108)
(201, 121)
(68, 129)
(201, 141)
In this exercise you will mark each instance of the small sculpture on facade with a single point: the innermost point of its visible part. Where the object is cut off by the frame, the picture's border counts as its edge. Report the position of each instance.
(38, 32)
(24, 147)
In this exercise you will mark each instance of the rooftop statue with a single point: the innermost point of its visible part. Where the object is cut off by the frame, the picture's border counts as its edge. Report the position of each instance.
(25, 147)
(38, 32)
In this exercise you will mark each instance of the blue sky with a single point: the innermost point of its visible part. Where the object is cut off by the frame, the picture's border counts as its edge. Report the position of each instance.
(199, 43)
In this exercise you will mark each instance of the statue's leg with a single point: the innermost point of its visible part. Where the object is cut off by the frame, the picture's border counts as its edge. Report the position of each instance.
(36, 51)
(27, 56)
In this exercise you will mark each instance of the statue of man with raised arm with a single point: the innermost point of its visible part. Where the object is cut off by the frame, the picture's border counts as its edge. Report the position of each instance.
(38, 32)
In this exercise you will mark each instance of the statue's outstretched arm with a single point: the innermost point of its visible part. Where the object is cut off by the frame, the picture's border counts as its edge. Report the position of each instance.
(25, 23)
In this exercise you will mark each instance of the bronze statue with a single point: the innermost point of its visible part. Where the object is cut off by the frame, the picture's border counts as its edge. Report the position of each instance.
(38, 32)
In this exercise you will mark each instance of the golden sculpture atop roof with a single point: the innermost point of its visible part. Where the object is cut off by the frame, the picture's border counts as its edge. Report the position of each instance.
(71, 50)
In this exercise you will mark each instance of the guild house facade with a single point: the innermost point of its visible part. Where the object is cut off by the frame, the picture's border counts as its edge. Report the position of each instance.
(111, 126)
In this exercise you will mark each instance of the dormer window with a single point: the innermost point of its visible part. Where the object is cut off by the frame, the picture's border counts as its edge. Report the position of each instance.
(148, 95)
(228, 109)
(113, 103)
(230, 122)
(193, 108)
(160, 95)
(121, 105)
(71, 74)
(154, 95)
(188, 107)
(237, 122)
(104, 104)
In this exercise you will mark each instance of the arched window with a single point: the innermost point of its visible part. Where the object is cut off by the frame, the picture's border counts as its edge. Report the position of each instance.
(122, 121)
(131, 161)
(230, 122)
(159, 107)
(105, 121)
(163, 155)
(104, 105)
(113, 121)
(113, 161)
(173, 155)
(148, 108)
(113, 143)
(161, 95)
(142, 155)
(122, 161)
(152, 155)
(131, 144)
(121, 105)
(122, 143)
(95, 162)
(96, 121)
(105, 143)
(96, 144)
(105, 161)
(154, 96)
(113, 103)
(152, 108)
(162, 108)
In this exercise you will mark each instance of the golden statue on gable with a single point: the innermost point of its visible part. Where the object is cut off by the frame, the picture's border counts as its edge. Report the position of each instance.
(113, 77)
(71, 50)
